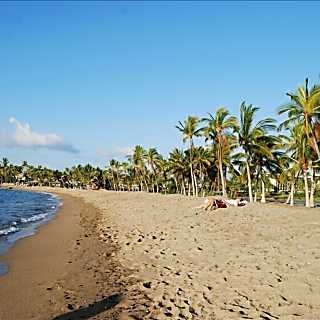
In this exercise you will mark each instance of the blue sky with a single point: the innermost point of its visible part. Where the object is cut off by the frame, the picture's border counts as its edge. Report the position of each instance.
(94, 79)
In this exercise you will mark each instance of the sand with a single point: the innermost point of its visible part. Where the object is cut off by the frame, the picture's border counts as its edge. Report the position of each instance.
(150, 256)
(65, 271)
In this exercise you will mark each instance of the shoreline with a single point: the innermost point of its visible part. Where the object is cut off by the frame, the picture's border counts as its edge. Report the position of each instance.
(35, 261)
(29, 230)
(57, 273)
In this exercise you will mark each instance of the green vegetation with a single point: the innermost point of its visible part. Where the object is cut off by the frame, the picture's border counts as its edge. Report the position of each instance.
(238, 157)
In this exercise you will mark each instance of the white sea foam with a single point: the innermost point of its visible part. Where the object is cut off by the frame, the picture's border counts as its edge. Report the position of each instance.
(6, 231)
(34, 218)
(43, 192)
(54, 196)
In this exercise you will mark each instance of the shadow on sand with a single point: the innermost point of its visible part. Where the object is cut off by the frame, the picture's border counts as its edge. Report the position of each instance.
(92, 310)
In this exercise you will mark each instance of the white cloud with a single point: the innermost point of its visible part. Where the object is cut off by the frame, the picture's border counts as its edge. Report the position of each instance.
(24, 136)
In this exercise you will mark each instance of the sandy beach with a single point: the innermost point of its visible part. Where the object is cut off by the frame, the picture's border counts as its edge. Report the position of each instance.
(119, 255)
(65, 271)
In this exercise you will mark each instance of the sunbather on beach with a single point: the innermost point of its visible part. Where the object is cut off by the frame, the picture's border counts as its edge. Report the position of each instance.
(213, 203)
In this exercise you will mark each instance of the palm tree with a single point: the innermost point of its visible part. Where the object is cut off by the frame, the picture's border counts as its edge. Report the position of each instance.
(303, 114)
(289, 166)
(249, 137)
(202, 161)
(304, 107)
(218, 129)
(296, 145)
(165, 179)
(177, 165)
(266, 161)
(111, 167)
(5, 164)
(115, 167)
(153, 159)
(139, 166)
(189, 130)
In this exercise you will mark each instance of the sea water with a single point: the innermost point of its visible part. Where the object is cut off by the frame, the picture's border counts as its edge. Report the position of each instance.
(21, 213)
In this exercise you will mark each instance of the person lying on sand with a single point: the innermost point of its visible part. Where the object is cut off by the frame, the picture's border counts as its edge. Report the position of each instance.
(214, 203)
(236, 202)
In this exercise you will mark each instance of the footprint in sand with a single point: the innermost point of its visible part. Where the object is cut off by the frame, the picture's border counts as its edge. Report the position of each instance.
(147, 285)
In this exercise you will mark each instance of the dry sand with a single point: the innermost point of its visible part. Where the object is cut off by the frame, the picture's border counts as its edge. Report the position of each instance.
(152, 256)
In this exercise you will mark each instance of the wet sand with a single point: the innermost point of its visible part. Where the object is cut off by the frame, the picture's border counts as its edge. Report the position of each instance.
(35, 262)
(65, 271)
(146, 256)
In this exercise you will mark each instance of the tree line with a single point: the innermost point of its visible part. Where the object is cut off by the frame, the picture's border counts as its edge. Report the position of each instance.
(233, 156)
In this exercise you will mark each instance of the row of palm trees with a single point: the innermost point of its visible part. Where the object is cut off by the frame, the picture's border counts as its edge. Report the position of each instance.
(262, 150)
(224, 155)
(237, 146)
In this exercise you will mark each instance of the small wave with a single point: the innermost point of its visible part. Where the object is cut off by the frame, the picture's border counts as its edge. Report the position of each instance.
(34, 218)
(44, 192)
(6, 231)
(52, 195)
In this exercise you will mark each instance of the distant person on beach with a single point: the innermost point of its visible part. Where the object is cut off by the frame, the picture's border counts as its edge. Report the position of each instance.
(213, 203)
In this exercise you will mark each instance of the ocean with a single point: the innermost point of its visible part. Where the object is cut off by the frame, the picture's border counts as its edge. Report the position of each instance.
(21, 213)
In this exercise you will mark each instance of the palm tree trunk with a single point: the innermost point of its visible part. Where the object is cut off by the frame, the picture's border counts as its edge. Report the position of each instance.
(306, 188)
(201, 181)
(292, 189)
(288, 199)
(152, 183)
(249, 182)
(118, 182)
(313, 186)
(256, 187)
(292, 193)
(223, 182)
(154, 178)
(114, 183)
(192, 180)
(263, 192)
(195, 184)
(183, 188)
(146, 184)
(224, 193)
(177, 185)
(191, 168)
(314, 139)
